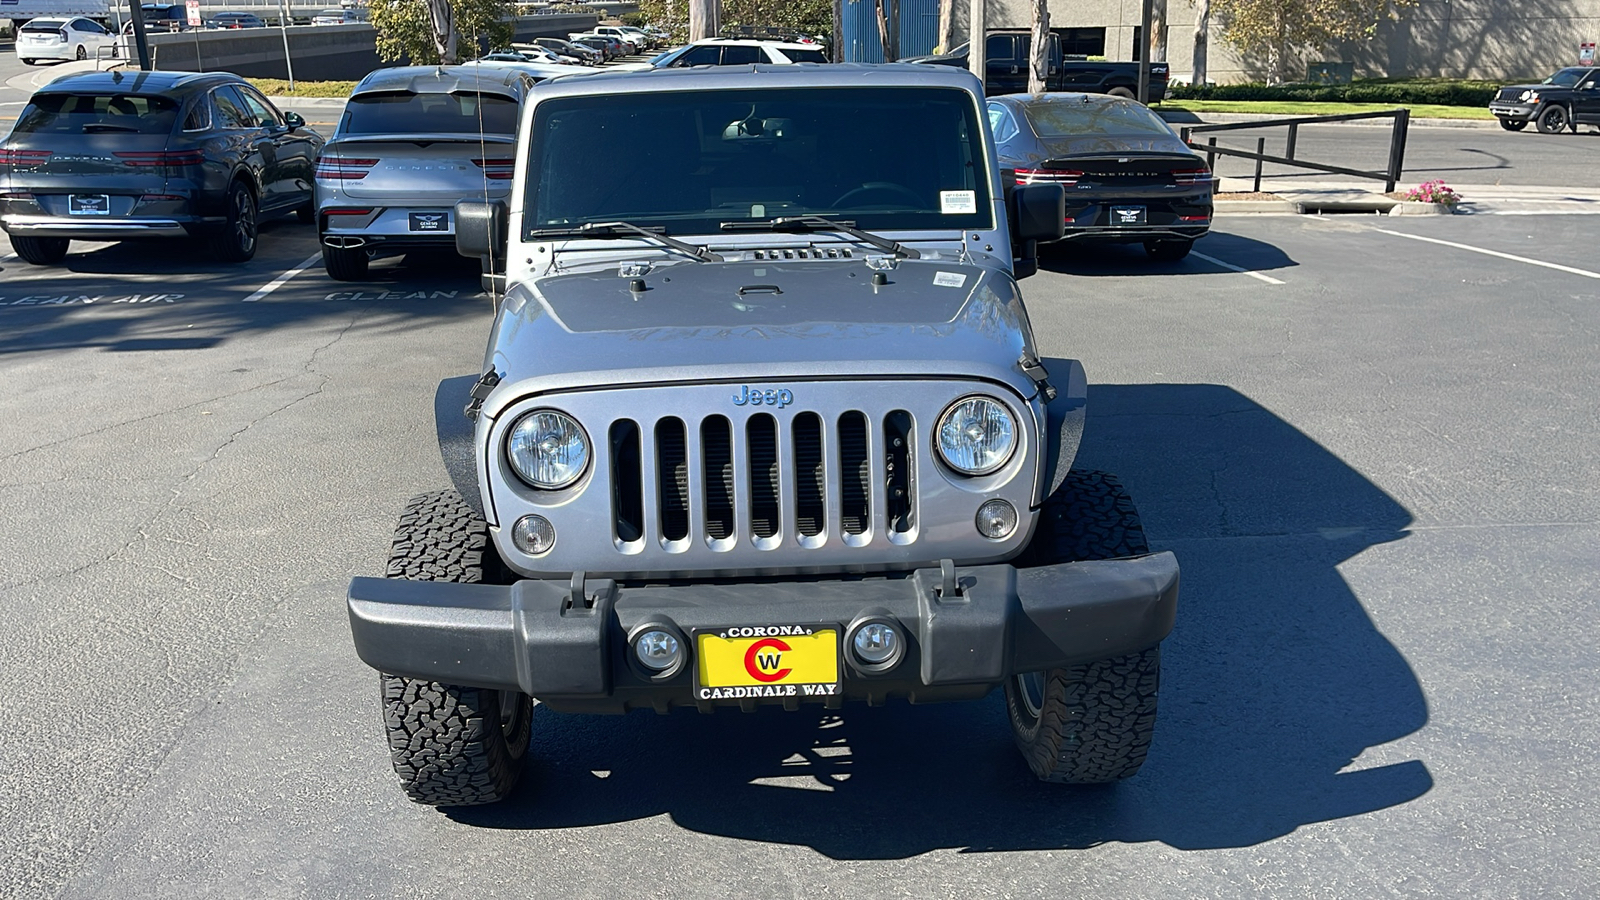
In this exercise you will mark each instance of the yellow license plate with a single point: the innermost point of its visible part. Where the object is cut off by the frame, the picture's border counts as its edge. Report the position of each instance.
(767, 661)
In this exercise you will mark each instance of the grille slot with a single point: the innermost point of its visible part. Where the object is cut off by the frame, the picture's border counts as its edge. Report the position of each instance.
(855, 474)
(716, 450)
(627, 490)
(810, 483)
(762, 437)
(672, 478)
(898, 477)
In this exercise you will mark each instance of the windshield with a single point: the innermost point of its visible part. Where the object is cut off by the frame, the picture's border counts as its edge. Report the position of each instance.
(402, 112)
(44, 26)
(800, 56)
(883, 158)
(91, 113)
(1065, 118)
(1565, 77)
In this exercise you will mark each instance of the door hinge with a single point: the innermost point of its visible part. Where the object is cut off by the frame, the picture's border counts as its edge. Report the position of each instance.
(1036, 372)
(479, 393)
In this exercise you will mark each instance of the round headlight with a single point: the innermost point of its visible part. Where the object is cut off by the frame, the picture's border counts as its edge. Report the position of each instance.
(1529, 95)
(976, 435)
(547, 449)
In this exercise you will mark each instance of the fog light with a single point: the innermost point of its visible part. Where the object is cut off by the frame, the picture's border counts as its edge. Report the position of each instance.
(997, 519)
(876, 643)
(658, 650)
(533, 535)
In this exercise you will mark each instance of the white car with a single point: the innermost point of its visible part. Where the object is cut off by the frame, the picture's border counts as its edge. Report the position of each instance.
(635, 41)
(739, 52)
(75, 38)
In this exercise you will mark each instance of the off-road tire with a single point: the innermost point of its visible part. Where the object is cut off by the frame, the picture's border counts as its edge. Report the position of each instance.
(236, 241)
(1090, 723)
(1554, 119)
(1513, 124)
(1168, 251)
(451, 745)
(40, 251)
(345, 264)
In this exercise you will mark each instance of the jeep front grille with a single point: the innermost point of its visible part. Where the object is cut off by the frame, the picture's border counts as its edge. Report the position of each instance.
(785, 477)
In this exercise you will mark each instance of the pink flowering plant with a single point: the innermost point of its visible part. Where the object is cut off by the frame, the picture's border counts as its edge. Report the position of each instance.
(1434, 192)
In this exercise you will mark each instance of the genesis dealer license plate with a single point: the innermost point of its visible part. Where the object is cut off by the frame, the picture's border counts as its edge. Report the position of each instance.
(430, 221)
(767, 661)
(89, 204)
(1127, 215)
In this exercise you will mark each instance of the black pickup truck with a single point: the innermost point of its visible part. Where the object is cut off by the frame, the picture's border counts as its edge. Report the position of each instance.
(1007, 58)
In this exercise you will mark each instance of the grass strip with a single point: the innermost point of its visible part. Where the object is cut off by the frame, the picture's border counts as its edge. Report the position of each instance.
(1295, 108)
(278, 87)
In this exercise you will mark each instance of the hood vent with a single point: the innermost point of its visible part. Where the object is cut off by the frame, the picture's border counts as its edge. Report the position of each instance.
(803, 253)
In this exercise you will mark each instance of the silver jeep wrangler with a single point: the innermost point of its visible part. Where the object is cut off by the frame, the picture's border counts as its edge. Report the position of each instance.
(762, 422)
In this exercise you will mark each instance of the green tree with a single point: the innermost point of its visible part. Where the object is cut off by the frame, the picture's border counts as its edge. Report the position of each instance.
(799, 16)
(1270, 27)
(452, 31)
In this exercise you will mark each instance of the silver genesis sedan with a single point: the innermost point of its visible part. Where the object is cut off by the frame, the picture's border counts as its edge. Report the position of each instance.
(412, 141)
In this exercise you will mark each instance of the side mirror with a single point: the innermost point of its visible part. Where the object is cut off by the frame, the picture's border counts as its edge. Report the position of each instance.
(294, 120)
(1038, 213)
(481, 233)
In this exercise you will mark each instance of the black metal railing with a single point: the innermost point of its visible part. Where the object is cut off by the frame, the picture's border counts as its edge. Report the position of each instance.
(1390, 176)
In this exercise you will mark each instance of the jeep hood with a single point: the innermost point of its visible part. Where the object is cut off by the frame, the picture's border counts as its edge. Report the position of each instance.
(760, 319)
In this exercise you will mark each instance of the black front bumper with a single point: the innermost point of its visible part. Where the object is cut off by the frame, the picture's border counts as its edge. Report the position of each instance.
(1514, 111)
(567, 644)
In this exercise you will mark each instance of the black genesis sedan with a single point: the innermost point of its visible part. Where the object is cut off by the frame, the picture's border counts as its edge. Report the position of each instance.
(1128, 178)
(107, 156)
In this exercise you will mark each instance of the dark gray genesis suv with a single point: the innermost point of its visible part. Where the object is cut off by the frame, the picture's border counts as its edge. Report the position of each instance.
(108, 156)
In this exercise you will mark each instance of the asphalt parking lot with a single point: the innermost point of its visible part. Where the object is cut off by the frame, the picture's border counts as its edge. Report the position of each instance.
(1374, 453)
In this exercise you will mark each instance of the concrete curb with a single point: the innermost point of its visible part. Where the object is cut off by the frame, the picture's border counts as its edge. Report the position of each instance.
(1256, 207)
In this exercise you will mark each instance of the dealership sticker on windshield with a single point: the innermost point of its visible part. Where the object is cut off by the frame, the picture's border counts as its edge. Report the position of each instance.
(949, 279)
(955, 202)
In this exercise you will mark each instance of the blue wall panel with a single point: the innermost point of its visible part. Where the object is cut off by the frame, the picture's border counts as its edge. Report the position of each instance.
(919, 29)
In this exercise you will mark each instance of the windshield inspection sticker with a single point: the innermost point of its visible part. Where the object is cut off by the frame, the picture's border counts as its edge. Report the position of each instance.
(949, 279)
(955, 202)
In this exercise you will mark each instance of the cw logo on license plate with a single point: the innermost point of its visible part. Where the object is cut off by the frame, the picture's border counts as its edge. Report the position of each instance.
(767, 661)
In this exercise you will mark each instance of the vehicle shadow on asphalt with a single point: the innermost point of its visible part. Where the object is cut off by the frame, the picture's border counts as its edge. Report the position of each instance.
(1130, 259)
(1275, 682)
(169, 308)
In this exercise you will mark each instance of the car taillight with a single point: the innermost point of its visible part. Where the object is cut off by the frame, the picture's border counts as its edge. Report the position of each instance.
(346, 212)
(1048, 176)
(1189, 177)
(23, 157)
(63, 34)
(151, 158)
(496, 169)
(155, 198)
(16, 195)
(338, 168)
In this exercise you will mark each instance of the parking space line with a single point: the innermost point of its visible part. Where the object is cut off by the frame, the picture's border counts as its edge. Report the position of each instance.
(1496, 253)
(283, 279)
(1233, 268)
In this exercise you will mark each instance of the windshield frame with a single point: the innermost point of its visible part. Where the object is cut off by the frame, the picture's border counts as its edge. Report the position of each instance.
(708, 223)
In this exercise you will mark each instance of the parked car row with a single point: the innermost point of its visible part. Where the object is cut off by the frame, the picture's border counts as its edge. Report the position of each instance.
(104, 156)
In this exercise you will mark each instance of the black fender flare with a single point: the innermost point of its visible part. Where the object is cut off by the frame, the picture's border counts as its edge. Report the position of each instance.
(457, 437)
(1064, 417)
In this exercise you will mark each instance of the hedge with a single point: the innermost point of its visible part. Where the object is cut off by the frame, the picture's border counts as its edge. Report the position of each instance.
(1444, 93)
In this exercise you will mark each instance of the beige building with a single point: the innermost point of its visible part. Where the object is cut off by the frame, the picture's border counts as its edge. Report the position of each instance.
(1490, 39)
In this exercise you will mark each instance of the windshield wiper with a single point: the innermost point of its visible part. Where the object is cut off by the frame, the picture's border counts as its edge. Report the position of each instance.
(602, 229)
(822, 223)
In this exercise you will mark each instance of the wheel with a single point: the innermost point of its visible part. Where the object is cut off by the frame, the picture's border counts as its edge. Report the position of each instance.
(305, 215)
(236, 242)
(1553, 119)
(451, 745)
(1168, 251)
(879, 187)
(1089, 723)
(1122, 92)
(82, 53)
(345, 264)
(1513, 124)
(29, 62)
(40, 251)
